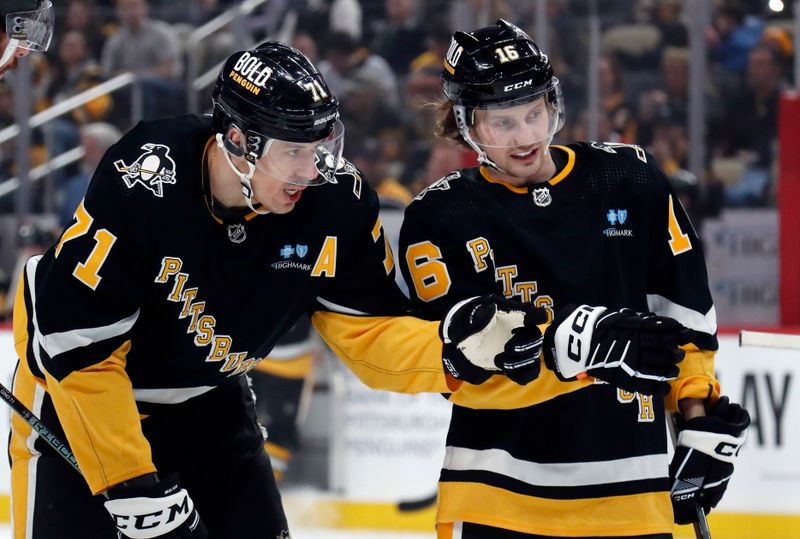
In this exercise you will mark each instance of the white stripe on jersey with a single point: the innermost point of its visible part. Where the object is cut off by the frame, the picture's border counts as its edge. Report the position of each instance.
(707, 323)
(291, 351)
(169, 395)
(562, 474)
(58, 343)
(338, 308)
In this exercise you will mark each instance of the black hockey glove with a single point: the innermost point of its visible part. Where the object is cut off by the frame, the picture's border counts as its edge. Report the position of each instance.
(637, 352)
(152, 508)
(488, 335)
(703, 460)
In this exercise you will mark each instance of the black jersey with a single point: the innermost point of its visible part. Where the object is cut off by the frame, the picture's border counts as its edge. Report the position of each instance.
(149, 298)
(555, 458)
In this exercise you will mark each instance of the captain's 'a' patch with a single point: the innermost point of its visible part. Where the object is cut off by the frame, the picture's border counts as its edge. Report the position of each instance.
(152, 169)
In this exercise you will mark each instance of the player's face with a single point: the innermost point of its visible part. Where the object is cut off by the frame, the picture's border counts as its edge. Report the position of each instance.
(516, 138)
(11, 63)
(283, 162)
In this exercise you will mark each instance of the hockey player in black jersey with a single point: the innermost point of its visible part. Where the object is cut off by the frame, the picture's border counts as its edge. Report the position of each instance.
(199, 242)
(25, 25)
(560, 227)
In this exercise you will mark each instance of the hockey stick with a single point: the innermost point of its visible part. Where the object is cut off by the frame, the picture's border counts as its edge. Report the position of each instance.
(769, 340)
(701, 526)
(41, 429)
(417, 505)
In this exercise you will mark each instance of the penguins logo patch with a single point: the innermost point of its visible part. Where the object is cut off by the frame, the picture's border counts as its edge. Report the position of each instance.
(152, 169)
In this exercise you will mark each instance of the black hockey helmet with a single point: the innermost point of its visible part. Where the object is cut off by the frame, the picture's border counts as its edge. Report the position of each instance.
(494, 65)
(285, 116)
(498, 66)
(28, 24)
(273, 90)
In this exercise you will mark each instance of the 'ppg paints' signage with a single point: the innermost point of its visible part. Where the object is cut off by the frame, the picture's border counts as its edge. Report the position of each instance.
(250, 73)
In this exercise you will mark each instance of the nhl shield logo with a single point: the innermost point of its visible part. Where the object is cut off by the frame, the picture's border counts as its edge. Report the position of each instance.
(237, 233)
(152, 169)
(541, 197)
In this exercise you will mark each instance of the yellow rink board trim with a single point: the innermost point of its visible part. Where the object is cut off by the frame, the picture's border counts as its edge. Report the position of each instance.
(332, 513)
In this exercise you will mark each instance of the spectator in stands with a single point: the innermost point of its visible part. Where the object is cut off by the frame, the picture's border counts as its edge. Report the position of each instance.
(74, 72)
(86, 18)
(95, 139)
(751, 133)
(614, 101)
(321, 17)
(149, 48)
(402, 38)
(346, 62)
(730, 37)
(307, 45)
(423, 86)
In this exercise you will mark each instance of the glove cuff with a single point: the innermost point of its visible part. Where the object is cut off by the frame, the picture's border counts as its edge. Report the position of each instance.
(447, 322)
(722, 447)
(568, 341)
(151, 511)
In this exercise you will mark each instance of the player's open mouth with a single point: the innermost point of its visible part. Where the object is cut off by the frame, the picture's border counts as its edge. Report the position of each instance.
(293, 194)
(525, 155)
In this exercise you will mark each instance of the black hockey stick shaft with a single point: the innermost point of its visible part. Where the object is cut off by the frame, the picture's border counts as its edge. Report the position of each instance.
(41, 429)
(701, 526)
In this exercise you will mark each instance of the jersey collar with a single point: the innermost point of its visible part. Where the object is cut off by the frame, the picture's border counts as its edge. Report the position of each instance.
(560, 175)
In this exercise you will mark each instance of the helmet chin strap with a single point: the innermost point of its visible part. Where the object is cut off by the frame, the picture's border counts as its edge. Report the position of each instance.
(8, 53)
(244, 178)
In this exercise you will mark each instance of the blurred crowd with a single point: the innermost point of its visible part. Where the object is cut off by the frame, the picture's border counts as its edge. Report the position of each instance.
(383, 59)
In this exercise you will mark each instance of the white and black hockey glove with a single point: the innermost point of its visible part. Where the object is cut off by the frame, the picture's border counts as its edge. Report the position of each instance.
(145, 508)
(637, 352)
(488, 335)
(704, 454)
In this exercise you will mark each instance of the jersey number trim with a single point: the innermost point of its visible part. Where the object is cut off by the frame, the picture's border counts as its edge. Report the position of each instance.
(88, 272)
(428, 272)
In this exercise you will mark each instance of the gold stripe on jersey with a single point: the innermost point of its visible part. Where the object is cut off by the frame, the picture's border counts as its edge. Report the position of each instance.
(102, 425)
(696, 378)
(294, 368)
(561, 175)
(500, 393)
(487, 175)
(388, 358)
(22, 434)
(589, 517)
(564, 172)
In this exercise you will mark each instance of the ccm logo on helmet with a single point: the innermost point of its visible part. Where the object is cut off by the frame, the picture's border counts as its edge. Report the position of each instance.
(251, 73)
(518, 85)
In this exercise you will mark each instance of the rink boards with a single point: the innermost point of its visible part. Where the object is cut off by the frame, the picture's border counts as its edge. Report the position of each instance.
(387, 448)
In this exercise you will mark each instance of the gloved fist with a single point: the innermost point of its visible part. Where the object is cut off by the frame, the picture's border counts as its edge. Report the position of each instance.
(703, 460)
(488, 335)
(636, 352)
(148, 509)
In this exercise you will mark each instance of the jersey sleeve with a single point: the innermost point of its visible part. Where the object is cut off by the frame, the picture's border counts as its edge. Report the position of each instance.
(80, 303)
(363, 317)
(677, 286)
